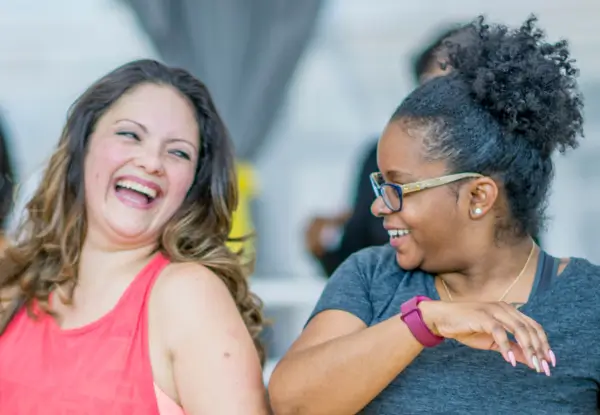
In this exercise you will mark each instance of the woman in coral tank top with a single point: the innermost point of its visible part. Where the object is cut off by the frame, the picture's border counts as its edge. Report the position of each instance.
(121, 296)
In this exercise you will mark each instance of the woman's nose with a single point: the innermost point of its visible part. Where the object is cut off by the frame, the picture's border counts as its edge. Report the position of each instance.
(378, 208)
(151, 161)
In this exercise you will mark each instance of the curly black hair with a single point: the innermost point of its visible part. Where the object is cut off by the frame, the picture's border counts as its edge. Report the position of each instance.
(511, 100)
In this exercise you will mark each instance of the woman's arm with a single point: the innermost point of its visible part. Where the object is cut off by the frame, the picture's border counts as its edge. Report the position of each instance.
(214, 362)
(330, 371)
(338, 365)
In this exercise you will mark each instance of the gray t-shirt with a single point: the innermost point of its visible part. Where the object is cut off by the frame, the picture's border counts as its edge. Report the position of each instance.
(455, 379)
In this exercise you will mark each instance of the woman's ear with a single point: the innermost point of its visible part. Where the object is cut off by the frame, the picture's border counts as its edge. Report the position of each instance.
(483, 193)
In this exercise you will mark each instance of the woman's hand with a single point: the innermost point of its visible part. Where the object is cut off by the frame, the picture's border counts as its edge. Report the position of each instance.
(485, 326)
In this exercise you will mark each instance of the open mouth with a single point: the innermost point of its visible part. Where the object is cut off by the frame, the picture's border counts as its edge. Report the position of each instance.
(397, 233)
(136, 192)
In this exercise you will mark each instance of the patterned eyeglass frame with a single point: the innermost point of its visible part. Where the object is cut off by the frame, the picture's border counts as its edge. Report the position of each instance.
(404, 189)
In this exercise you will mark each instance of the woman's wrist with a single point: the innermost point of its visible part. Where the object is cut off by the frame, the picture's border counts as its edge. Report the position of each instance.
(429, 311)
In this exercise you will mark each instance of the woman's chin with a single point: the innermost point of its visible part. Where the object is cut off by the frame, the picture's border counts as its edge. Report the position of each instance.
(407, 262)
(133, 235)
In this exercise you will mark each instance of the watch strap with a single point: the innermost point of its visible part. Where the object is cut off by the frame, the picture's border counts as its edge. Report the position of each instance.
(412, 317)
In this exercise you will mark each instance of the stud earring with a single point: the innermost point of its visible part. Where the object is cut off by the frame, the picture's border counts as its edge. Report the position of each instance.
(477, 211)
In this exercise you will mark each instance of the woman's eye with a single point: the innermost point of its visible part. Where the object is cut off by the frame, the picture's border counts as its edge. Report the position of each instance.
(181, 154)
(129, 134)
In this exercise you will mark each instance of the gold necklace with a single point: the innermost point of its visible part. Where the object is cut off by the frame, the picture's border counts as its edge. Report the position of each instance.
(510, 286)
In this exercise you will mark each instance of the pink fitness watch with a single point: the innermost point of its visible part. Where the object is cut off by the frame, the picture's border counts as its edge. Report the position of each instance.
(411, 315)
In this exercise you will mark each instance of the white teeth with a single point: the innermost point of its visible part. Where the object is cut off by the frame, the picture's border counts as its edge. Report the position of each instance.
(396, 233)
(129, 184)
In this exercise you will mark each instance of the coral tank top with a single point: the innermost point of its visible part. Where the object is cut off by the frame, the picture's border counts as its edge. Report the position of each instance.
(98, 369)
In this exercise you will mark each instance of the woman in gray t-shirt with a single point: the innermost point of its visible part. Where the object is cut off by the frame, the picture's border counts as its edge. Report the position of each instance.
(462, 312)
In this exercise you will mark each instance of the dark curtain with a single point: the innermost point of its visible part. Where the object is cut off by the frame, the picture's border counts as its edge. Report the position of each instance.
(244, 50)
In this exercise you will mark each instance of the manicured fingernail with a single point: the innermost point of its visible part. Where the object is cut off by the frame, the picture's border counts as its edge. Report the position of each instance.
(552, 358)
(546, 367)
(511, 358)
(536, 363)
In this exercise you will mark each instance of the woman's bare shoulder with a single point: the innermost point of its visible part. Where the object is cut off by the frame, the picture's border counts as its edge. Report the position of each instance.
(191, 289)
(179, 278)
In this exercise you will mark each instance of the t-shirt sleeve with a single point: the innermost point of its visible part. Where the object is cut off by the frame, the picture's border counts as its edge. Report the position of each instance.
(347, 290)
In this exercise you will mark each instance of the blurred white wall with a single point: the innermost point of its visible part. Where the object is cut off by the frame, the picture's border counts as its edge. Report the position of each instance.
(50, 52)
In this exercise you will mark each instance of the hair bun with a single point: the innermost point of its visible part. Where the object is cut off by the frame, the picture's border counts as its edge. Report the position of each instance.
(527, 84)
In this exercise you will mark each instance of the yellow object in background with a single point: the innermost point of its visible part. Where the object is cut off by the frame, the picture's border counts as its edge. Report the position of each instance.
(242, 219)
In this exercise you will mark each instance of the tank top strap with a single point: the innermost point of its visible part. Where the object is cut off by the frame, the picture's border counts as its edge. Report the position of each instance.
(134, 300)
(148, 275)
(152, 270)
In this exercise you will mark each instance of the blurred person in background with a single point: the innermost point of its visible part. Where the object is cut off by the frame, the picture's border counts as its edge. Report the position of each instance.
(120, 295)
(7, 180)
(331, 240)
(461, 312)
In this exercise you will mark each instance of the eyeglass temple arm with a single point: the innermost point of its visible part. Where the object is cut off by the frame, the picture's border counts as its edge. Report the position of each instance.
(439, 181)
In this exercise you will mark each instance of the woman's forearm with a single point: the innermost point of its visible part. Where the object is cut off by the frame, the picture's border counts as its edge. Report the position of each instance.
(343, 375)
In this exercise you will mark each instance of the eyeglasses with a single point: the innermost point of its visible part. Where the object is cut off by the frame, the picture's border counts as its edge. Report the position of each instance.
(393, 194)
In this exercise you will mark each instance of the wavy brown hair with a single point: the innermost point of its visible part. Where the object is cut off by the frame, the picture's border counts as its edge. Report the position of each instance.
(49, 241)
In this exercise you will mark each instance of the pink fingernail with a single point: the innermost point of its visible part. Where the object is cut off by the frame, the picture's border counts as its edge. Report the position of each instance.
(546, 367)
(552, 358)
(511, 357)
